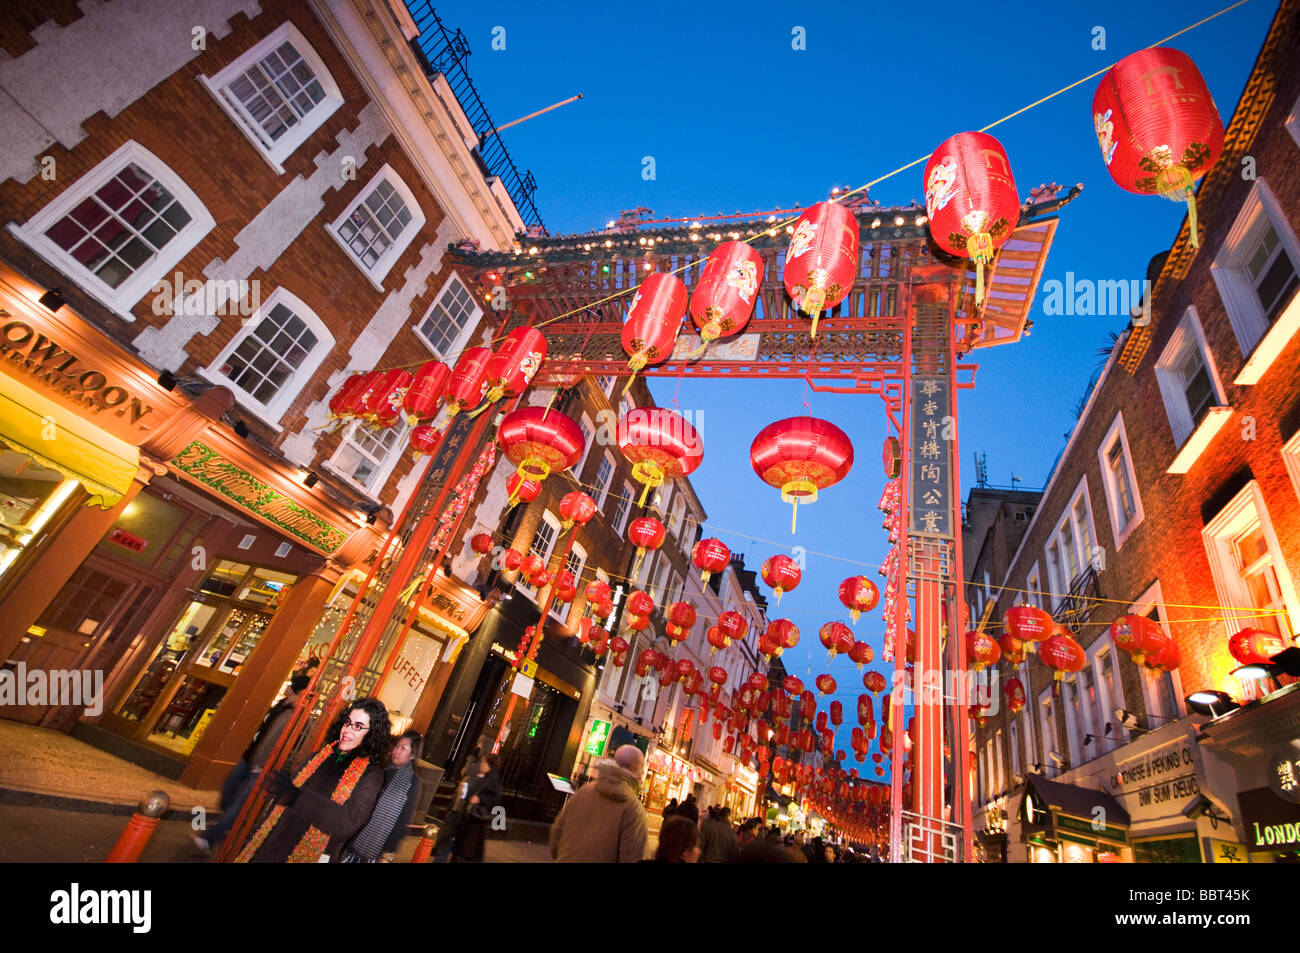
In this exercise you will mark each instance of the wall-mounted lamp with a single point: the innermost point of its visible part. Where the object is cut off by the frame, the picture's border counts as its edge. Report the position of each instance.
(241, 428)
(52, 300)
(311, 480)
(166, 381)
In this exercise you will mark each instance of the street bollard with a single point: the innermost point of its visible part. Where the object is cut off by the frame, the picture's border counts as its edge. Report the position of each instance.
(424, 849)
(139, 829)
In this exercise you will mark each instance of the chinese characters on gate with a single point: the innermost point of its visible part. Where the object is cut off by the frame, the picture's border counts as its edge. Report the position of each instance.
(932, 436)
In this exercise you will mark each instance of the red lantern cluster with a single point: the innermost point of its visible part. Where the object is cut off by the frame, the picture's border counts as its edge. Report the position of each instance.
(1145, 641)
(681, 616)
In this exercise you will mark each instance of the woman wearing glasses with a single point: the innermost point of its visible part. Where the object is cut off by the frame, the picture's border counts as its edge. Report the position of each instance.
(332, 796)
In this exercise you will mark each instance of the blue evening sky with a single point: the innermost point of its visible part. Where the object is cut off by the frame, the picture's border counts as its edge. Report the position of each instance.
(737, 120)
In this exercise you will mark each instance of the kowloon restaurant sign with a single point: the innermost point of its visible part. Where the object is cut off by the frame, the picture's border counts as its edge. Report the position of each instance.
(41, 358)
(214, 471)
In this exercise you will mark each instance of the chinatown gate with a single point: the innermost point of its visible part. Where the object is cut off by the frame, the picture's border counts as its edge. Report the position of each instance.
(901, 334)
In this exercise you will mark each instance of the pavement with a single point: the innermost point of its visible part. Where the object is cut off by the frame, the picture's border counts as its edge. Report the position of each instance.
(64, 801)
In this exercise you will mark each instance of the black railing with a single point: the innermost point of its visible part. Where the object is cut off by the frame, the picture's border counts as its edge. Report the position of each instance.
(444, 53)
(1084, 596)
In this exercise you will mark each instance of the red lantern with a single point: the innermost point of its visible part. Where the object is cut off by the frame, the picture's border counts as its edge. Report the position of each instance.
(821, 722)
(640, 603)
(637, 623)
(1157, 126)
(576, 507)
(424, 439)
(468, 381)
(837, 713)
(783, 634)
(1255, 646)
(645, 532)
(425, 393)
(684, 668)
(511, 559)
(837, 637)
(717, 639)
(757, 681)
(618, 645)
(681, 614)
(718, 675)
(861, 654)
(799, 456)
(653, 322)
(726, 292)
(874, 682)
(566, 589)
(733, 625)
(481, 543)
(971, 199)
(710, 555)
(781, 573)
(792, 684)
(381, 405)
(660, 445)
(866, 714)
(822, 260)
(512, 367)
(1014, 692)
(539, 442)
(1062, 654)
(1164, 659)
(981, 650)
(344, 404)
(675, 633)
(825, 685)
(1028, 624)
(532, 565)
(598, 591)
(858, 594)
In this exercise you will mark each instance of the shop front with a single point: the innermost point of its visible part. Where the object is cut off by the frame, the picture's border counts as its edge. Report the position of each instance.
(667, 777)
(741, 789)
(1067, 824)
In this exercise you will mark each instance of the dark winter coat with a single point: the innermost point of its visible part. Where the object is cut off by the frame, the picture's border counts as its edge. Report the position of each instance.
(469, 840)
(718, 844)
(312, 806)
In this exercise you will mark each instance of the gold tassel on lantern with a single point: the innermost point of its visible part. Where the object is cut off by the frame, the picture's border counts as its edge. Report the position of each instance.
(980, 248)
(814, 299)
(648, 473)
(795, 490)
(711, 331)
(1175, 183)
(635, 365)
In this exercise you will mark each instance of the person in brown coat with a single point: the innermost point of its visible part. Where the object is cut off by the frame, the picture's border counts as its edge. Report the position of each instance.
(604, 821)
(332, 796)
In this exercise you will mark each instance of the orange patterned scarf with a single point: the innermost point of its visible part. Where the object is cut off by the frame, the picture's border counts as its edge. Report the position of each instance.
(313, 843)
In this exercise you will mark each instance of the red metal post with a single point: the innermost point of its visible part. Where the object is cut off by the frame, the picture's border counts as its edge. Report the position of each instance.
(139, 829)
(897, 715)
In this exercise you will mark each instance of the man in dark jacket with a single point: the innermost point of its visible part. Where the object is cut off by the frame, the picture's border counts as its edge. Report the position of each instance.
(690, 809)
(718, 844)
(482, 795)
(242, 777)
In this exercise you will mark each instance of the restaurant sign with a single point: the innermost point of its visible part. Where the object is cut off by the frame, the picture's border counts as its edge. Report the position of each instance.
(235, 483)
(1271, 823)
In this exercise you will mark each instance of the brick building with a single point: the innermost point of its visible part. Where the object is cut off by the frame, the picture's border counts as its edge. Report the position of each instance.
(224, 210)
(1177, 498)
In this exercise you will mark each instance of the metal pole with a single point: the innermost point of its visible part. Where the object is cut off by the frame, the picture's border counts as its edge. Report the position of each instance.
(896, 714)
(515, 122)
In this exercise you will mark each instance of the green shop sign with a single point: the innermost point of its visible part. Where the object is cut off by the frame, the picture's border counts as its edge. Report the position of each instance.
(1065, 822)
(597, 739)
(214, 471)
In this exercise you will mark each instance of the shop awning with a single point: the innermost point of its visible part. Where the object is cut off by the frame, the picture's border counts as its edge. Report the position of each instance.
(60, 439)
(1074, 809)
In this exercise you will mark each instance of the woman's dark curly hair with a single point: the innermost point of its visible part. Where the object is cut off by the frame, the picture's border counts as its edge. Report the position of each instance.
(378, 742)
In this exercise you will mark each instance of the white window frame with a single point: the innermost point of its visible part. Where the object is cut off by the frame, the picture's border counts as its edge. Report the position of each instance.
(602, 490)
(588, 432)
(1154, 598)
(1047, 727)
(1190, 437)
(1098, 652)
(553, 522)
(458, 343)
(273, 412)
(1218, 534)
(628, 499)
(385, 466)
(567, 607)
(120, 299)
(1118, 433)
(1082, 557)
(275, 152)
(1013, 740)
(1034, 586)
(376, 273)
(1260, 344)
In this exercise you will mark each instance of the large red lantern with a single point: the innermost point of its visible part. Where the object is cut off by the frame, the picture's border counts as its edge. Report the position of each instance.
(1255, 646)
(1014, 692)
(381, 404)
(566, 587)
(640, 603)
(681, 614)
(971, 199)
(733, 625)
(576, 507)
(836, 637)
(540, 442)
(1062, 654)
(645, 532)
(710, 556)
(511, 559)
(481, 543)
(822, 260)
(866, 714)
(1139, 637)
(874, 682)
(660, 445)
(858, 594)
(423, 439)
(781, 573)
(837, 713)
(425, 393)
(512, 367)
(981, 650)
(598, 591)
(1157, 126)
(718, 675)
(716, 638)
(1028, 623)
(468, 381)
(531, 566)
(653, 322)
(346, 401)
(727, 291)
(800, 456)
(784, 635)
